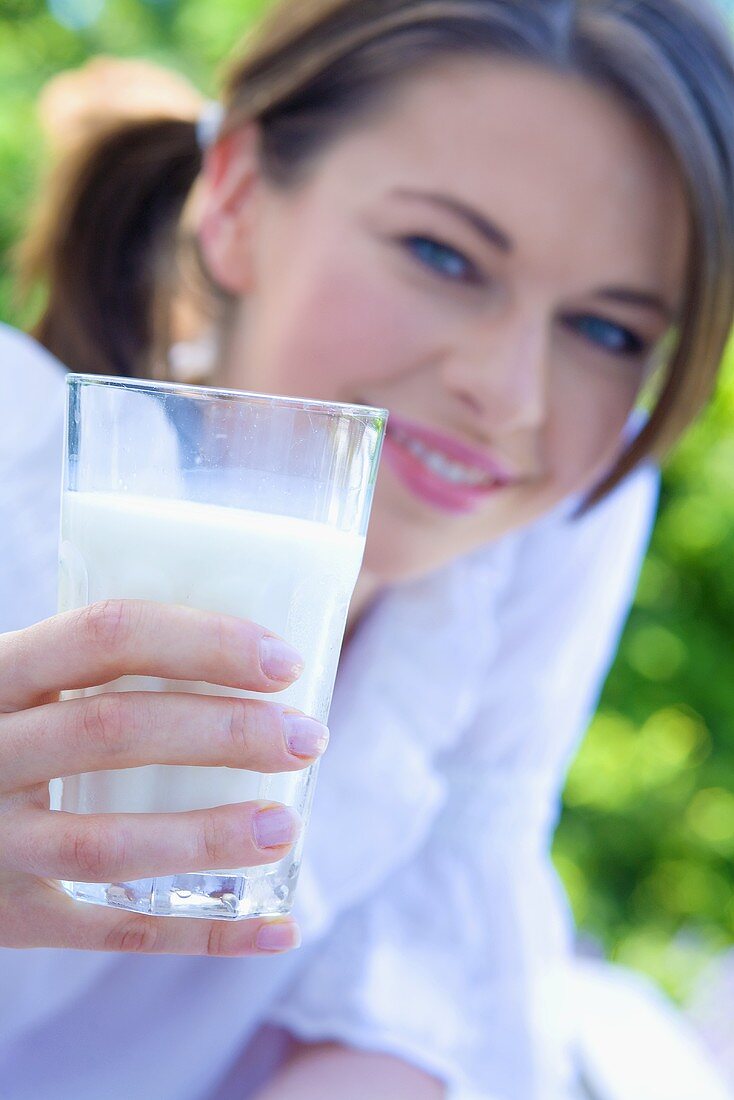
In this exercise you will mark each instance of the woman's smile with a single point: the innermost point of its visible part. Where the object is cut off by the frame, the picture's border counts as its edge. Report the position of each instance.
(440, 470)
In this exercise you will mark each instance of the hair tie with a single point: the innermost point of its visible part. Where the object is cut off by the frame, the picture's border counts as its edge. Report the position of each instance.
(209, 124)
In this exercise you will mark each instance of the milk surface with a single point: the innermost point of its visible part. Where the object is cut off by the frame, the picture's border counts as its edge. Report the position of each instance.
(293, 576)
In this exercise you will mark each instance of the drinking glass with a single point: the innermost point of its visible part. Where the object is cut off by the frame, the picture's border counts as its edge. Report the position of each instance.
(241, 503)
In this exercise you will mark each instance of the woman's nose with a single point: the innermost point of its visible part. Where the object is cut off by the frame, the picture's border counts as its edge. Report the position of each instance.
(501, 373)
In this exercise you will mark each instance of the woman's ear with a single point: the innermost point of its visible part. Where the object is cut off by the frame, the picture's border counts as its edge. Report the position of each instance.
(226, 206)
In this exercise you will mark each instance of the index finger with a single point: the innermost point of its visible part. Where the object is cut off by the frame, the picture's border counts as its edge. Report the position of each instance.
(99, 643)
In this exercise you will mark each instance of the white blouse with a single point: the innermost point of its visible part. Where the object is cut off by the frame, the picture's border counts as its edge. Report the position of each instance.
(434, 926)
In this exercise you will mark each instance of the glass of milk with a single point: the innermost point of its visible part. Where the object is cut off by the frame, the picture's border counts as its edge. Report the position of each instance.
(245, 504)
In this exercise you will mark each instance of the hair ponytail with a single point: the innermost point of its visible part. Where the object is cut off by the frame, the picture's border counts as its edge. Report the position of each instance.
(102, 232)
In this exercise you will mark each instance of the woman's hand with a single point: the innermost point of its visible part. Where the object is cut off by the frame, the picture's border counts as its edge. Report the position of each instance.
(42, 738)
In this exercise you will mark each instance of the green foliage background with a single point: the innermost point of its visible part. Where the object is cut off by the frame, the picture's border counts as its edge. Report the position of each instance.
(646, 843)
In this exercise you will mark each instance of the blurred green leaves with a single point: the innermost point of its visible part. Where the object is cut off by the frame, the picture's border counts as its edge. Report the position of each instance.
(646, 843)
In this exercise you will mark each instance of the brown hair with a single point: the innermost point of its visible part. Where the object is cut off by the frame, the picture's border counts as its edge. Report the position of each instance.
(305, 74)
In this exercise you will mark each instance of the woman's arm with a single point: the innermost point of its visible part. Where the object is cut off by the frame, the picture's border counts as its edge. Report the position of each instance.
(330, 1070)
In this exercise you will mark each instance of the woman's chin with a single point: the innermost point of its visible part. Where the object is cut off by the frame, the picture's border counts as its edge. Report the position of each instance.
(396, 553)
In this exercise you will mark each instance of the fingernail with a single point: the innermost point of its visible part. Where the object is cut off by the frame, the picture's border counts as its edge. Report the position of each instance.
(305, 736)
(280, 661)
(278, 935)
(274, 827)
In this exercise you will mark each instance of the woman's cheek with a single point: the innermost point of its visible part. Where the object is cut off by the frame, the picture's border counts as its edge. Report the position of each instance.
(588, 429)
(349, 333)
(588, 447)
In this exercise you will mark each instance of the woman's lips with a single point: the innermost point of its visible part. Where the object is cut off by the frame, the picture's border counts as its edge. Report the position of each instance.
(441, 471)
(460, 452)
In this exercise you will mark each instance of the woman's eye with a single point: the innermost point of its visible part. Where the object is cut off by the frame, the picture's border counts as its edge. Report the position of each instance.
(607, 335)
(442, 259)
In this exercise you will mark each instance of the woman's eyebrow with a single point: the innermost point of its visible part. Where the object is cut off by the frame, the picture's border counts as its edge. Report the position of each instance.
(497, 237)
(645, 298)
(477, 221)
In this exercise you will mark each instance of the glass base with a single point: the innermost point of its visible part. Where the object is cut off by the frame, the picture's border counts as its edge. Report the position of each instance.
(214, 895)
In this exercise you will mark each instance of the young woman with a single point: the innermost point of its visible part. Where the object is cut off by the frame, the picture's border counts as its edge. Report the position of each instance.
(509, 223)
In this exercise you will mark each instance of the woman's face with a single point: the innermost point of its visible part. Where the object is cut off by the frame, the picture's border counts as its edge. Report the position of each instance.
(493, 259)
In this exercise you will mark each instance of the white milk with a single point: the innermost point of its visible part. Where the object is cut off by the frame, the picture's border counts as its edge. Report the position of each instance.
(293, 576)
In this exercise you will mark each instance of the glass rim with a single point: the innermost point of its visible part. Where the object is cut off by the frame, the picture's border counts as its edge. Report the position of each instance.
(214, 393)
